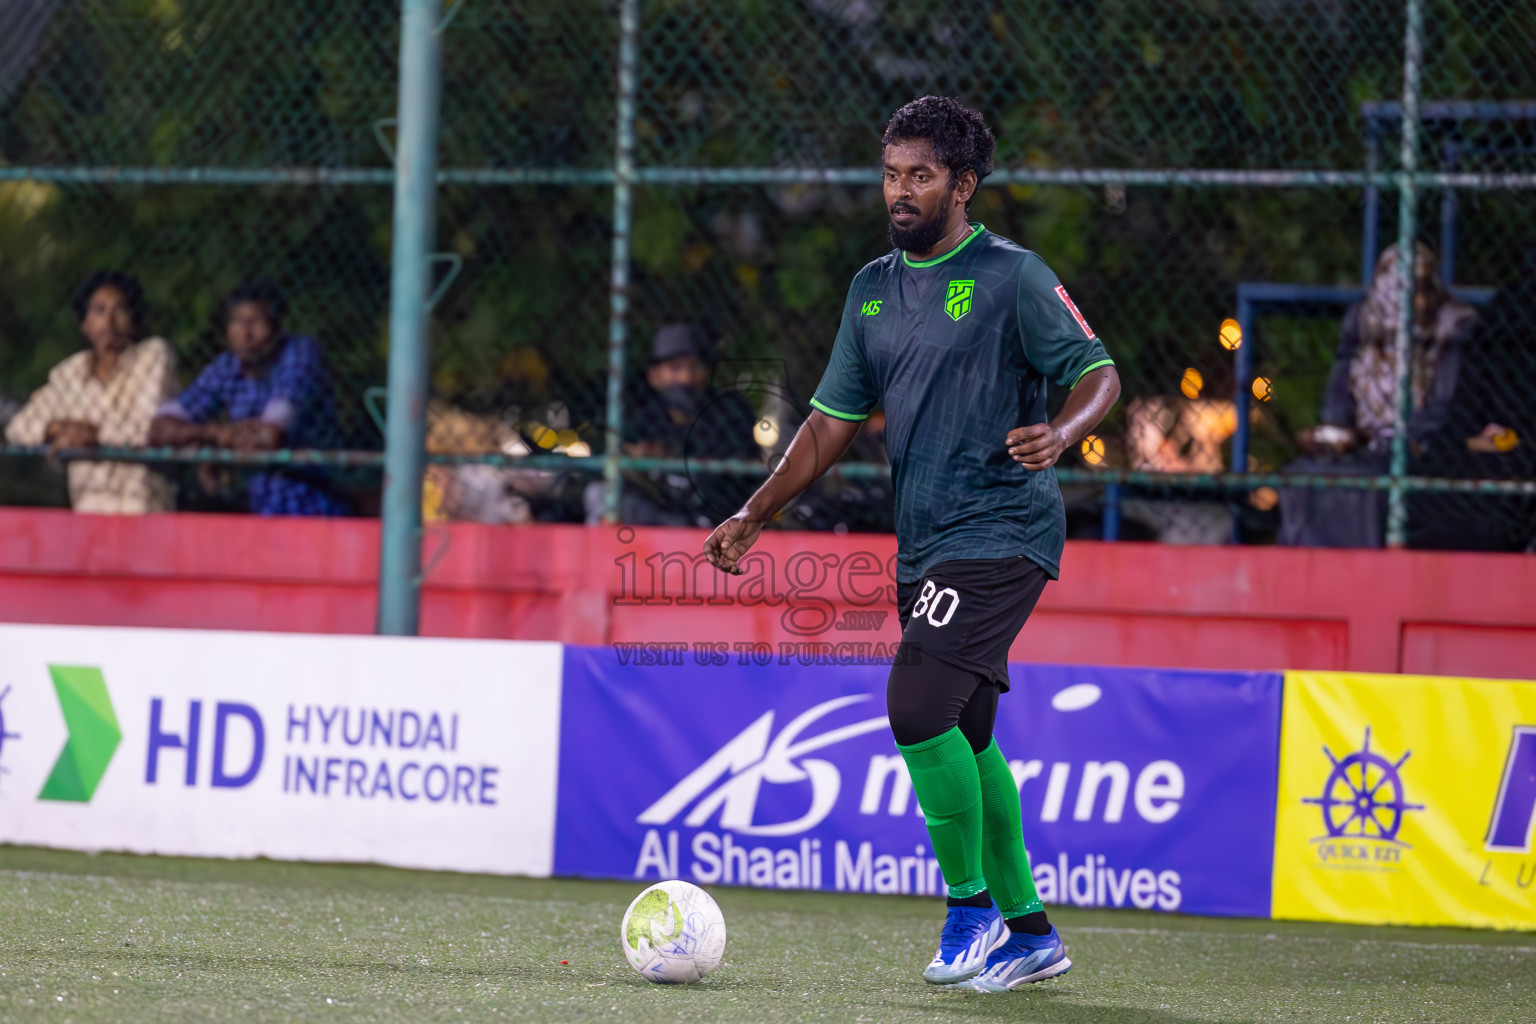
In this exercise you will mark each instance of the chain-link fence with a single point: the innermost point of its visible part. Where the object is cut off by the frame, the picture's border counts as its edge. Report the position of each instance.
(1214, 183)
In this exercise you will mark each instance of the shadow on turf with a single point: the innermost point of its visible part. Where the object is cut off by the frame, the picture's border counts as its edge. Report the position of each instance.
(1048, 1004)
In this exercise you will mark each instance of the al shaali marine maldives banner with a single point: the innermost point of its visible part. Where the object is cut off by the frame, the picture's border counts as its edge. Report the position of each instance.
(1140, 788)
(419, 753)
(1407, 800)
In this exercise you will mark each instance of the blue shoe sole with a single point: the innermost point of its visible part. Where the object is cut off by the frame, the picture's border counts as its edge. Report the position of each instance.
(1055, 970)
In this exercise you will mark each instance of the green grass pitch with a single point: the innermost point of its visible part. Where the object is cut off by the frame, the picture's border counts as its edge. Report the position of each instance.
(121, 938)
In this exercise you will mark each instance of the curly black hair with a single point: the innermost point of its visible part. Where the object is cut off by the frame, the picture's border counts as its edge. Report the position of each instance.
(125, 283)
(263, 290)
(959, 135)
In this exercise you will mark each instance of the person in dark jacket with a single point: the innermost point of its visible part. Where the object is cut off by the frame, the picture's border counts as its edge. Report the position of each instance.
(675, 412)
(1490, 431)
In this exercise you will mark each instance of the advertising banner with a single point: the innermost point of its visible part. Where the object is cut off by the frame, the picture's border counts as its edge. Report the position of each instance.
(1139, 788)
(1407, 800)
(412, 752)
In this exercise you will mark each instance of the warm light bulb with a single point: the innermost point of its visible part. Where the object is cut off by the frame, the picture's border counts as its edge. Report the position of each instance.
(1192, 383)
(1263, 390)
(1093, 449)
(1231, 334)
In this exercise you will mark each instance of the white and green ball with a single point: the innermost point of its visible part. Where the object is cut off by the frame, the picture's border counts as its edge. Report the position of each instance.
(673, 933)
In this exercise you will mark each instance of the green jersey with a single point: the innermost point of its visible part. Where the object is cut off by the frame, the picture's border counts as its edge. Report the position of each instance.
(958, 350)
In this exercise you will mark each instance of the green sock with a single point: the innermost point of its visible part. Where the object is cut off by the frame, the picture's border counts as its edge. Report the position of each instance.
(1004, 859)
(944, 778)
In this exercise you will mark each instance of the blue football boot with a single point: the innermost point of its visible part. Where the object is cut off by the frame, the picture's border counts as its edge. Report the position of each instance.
(970, 933)
(1021, 960)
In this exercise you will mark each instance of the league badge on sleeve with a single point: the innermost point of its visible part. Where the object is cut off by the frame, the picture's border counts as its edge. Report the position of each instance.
(1061, 292)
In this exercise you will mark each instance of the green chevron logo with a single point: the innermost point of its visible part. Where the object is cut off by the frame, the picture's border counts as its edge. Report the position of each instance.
(93, 734)
(957, 298)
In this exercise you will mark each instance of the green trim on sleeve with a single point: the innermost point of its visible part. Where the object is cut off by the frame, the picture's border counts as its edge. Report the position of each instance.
(1096, 366)
(975, 233)
(838, 415)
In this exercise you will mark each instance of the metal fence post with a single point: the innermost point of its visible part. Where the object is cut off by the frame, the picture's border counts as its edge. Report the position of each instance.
(618, 307)
(415, 227)
(1407, 224)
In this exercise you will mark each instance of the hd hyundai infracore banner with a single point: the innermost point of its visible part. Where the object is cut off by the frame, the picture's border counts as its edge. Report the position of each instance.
(421, 753)
(1140, 788)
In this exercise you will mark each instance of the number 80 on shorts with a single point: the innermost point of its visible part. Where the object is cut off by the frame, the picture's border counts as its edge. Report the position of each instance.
(933, 603)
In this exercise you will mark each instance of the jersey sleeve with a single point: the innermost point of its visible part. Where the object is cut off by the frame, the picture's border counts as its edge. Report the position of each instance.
(847, 389)
(1057, 339)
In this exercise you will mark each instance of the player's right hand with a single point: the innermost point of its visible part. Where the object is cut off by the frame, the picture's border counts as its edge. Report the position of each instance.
(731, 540)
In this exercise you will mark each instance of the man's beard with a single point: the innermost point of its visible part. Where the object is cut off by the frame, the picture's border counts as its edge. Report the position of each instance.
(920, 237)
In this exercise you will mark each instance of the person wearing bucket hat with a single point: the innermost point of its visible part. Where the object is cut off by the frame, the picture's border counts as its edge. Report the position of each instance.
(674, 412)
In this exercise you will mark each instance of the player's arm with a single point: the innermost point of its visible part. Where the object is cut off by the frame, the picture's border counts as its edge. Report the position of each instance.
(1059, 343)
(838, 409)
(1039, 445)
(820, 442)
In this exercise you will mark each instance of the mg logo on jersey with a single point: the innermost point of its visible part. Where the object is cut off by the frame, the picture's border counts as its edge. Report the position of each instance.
(957, 299)
(730, 779)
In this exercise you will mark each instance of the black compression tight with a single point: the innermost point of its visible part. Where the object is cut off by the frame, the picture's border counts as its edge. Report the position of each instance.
(931, 697)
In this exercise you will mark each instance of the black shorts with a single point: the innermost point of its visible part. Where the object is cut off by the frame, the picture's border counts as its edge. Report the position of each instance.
(967, 612)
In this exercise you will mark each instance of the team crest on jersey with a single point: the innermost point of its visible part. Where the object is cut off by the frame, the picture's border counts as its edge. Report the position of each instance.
(957, 300)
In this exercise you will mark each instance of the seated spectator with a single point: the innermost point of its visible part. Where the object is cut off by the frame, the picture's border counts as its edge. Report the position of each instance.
(1490, 432)
(275, 392)
(675, 413)
(1354, 436)
(104, 395)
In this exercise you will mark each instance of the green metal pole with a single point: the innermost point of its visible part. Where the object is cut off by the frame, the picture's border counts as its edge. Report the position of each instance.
(415, 227)
(618, 309)
(1407, 228)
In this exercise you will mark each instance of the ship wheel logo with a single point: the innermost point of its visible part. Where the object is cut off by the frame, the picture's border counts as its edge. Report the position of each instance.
(4, 734)
(1363, 797)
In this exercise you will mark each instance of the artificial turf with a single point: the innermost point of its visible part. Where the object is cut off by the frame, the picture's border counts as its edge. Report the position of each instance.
(121, 938)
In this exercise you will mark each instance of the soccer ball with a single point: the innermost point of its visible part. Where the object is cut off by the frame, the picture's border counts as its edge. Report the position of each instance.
(673, 933)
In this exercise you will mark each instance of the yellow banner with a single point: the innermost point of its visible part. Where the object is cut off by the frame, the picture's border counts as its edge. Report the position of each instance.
(1406, 800)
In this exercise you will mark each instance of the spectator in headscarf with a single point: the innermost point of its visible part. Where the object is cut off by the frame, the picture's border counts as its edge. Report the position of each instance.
(105, 395)
(1354, 435)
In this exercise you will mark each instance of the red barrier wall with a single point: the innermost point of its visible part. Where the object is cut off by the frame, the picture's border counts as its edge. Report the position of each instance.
(1117, 604)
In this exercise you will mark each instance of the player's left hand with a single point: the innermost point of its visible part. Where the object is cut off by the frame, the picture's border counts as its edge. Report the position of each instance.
(1036, 446)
